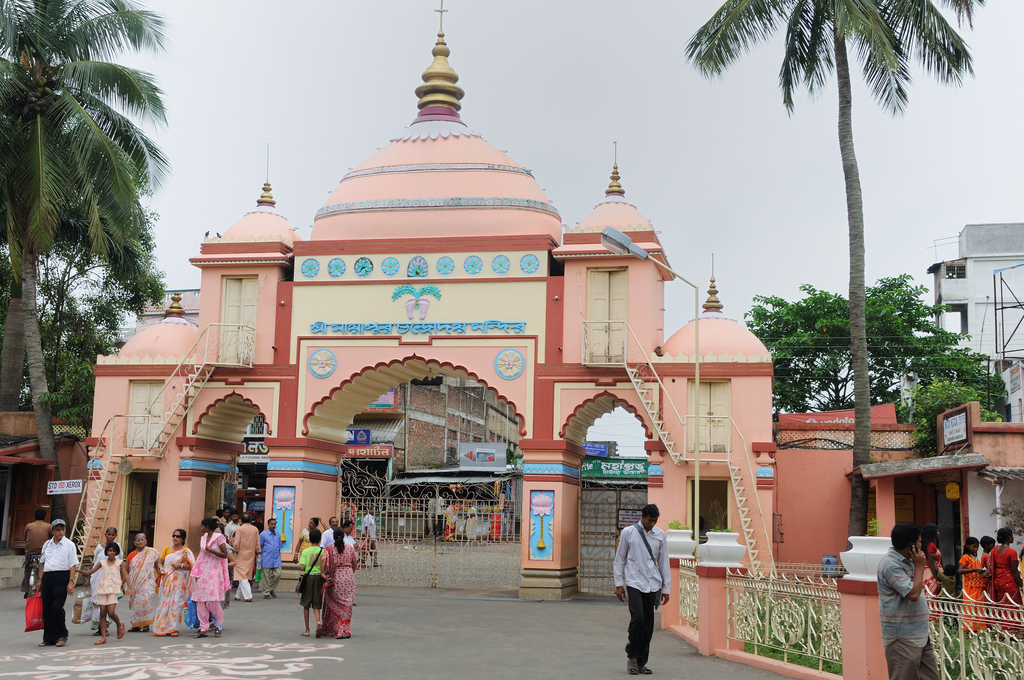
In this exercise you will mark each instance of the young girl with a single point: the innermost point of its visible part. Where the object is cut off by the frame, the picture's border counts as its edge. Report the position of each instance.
(113, 575)
(974, 575)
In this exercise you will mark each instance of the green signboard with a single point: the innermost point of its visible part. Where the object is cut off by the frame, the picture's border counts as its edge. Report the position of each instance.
(616, 468)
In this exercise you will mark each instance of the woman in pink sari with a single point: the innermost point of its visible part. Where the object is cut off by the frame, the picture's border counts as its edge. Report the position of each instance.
(340, 585)
(175, 567)
(210, 578)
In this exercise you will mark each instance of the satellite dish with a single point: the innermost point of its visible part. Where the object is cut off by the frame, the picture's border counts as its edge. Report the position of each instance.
(125, 468)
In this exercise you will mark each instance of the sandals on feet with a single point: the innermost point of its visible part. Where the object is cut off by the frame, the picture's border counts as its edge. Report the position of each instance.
(217, 632)
(632, 668)
(101, 641)
(319, 631)
(644, 670)
(200, 635)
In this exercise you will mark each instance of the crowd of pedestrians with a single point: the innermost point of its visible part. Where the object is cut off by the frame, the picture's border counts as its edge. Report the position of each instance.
(167, 590)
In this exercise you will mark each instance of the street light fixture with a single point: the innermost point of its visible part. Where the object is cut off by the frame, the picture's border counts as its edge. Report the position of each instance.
(620, 244)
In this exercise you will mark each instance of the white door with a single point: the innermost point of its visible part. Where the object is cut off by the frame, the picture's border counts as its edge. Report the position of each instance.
(144, 413)
(238, 310)
(606, 314)
(715, 425)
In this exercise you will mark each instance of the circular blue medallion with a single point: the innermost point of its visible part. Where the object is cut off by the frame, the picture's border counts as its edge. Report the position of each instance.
(473, 265)
(310, 268)
(509, 363)
(322, 363)
(389, 266)
(363, 266)
(529, 263)
(336, 267)
(500, 265)
(445, 266)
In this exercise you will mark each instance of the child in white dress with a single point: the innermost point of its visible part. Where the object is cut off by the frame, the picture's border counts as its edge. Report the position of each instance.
(113, 576)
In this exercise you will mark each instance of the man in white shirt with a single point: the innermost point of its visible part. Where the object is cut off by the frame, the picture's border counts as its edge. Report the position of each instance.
(348, 526)
(328, 536)
(642, 575)
(370, 534)
(60, 562)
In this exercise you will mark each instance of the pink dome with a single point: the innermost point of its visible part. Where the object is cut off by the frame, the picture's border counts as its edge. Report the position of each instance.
(617, 213)
(439, 178)
(172, 337)
(720, 336)
(262, 224)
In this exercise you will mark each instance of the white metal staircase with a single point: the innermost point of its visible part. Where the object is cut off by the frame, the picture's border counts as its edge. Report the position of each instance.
(649, 387)
(124, 436)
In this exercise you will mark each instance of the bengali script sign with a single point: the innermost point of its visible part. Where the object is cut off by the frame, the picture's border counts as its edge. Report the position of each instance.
(615, 468)
(433, 328)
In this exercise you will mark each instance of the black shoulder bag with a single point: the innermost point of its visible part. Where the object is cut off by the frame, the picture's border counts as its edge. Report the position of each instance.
(303, 576)
(643, 535)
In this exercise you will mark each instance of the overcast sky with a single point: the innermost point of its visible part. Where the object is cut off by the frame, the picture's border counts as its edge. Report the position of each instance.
(718, 167)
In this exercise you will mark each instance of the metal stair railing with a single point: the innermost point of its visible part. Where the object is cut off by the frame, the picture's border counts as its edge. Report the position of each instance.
(746, 521)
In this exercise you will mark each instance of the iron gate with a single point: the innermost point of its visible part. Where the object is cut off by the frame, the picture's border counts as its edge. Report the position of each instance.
(599, 533)
(440, 537)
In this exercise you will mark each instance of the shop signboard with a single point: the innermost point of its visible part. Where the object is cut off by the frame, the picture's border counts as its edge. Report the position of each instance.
(385, 402)
(358, 437)
(374, 451)
(617, 468)
(954, 427)
(63, 486)
(254, 451)
(595, 448)
(628, 517)
(482, 456)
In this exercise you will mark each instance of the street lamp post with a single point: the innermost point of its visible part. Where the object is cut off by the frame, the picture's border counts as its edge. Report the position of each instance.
(617, 242)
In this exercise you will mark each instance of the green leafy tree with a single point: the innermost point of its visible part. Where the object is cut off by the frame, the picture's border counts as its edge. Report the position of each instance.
(68, 137)
(885, 35)
(810, 344)
(935, 398)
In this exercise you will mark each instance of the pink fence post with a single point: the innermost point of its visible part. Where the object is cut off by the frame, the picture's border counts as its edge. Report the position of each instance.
(863, 654)
(713, 631)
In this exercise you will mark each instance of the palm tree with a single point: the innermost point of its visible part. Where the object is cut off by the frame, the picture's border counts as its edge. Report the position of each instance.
(884, 35)
(71, 141)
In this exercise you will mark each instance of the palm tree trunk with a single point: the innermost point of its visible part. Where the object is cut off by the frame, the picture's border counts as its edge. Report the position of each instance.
(858, 324)
(12, 359)
(37, 370)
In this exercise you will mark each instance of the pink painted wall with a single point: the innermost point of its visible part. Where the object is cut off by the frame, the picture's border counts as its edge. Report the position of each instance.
(212, 293)
(813, 497)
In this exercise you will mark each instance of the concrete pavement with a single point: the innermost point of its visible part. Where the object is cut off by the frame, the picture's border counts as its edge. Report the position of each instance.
(397, 633)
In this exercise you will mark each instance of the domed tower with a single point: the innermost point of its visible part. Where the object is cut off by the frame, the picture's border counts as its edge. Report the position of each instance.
(438, 178)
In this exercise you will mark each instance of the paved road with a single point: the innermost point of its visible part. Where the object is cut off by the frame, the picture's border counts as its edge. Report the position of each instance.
(420, 634)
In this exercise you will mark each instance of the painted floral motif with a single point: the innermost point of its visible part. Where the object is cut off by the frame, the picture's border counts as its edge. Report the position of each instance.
(418, 302)
(389, 266)
(500, 265)
(473, 265)
(336, 267)
(310, 268)
(322, 363)
(363, 266)
(445, 266)
(529, 263)
(509, 363)
(418, 267)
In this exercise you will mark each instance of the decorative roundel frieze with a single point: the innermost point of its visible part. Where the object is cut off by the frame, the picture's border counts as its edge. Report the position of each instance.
(529, 263)
(509, 363)
(310, 268)
(363, 267)
(389, 266)
(336, 267)
(473, 265)
(500, 265)
(445, 266)
(322, 363)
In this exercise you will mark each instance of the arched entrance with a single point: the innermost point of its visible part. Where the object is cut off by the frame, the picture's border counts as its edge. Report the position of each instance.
(448, 512)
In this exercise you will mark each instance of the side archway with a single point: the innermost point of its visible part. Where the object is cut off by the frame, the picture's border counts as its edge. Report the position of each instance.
(575, 427)
(226, 419)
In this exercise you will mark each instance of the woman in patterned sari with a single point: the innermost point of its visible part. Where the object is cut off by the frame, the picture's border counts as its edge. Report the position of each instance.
(141, 584)
(175, 567)
(340, 586)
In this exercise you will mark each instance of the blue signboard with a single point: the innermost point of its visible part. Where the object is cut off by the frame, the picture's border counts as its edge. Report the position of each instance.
(595, 449)
(358, 437)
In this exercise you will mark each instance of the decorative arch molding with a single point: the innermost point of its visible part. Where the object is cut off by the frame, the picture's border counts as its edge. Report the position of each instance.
(575, 427)
(328, 418)
(227, 418)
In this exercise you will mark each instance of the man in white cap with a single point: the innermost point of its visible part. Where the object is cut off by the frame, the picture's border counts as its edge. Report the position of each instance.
(60, 562)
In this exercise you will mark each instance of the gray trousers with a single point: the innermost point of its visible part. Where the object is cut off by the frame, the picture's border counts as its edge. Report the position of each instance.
(270, 577)
(906, 662)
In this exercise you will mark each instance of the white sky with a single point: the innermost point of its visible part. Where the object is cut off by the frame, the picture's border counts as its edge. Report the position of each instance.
(718, 167)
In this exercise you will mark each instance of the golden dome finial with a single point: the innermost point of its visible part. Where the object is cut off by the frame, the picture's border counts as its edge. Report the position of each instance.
(439, 88)
(266, 198)
(614, 188)
(175, 309)
(712, 304)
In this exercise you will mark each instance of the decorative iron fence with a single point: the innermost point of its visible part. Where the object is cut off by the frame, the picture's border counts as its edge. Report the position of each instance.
(977, 639)
(791, 618)
(689, 592)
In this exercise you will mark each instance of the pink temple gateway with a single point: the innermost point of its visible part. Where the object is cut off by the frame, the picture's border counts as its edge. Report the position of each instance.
(439, 262)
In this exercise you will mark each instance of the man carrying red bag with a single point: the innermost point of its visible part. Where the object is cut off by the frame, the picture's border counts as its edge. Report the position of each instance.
(60, 562)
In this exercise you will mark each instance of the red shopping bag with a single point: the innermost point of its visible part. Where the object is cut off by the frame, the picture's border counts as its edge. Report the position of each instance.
(34, 613)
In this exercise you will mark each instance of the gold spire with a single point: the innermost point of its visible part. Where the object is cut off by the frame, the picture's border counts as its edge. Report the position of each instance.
(266, 199)
(712, 304)
(614, 188)
(175, 309)
(439, 88)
